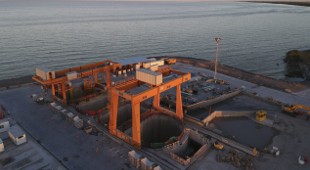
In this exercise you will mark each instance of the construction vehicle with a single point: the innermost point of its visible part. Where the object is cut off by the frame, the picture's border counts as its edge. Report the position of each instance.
(218, 145)
(295, 110)
(170, 60)
(88, 129)
(261, 115)
(38, 98)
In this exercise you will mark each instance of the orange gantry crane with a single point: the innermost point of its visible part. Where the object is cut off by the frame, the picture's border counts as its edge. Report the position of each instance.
(59, 79)
(120, 90)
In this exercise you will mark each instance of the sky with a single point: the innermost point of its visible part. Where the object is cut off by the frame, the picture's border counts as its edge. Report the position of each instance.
(175, 0)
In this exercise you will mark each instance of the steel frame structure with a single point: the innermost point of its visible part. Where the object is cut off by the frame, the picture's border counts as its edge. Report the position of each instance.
(154, 91)
(93, 69)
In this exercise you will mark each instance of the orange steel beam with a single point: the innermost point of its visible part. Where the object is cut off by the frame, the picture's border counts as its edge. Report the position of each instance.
(53, 89)
(113, 111)
(92, 72)
(136, 134)
(64, 93)
(124, 95)
(128, 85)
(85, 67)
(87, 70)
(138, 98)
(179, 107)
(156, 101)
(108, 78)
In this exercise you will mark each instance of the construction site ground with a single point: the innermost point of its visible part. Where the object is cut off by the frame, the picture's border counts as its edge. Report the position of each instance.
(29, 155)
(292, 141)
(75, 149)
(70, 146)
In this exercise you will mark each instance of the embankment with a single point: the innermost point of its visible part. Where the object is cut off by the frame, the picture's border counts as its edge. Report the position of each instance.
(245, 75)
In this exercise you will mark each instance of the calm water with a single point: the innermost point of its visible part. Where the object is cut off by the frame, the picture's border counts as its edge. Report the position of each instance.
(58, 34)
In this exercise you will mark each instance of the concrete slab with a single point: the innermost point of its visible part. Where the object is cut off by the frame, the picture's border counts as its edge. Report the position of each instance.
(29, 155)
(70, 146)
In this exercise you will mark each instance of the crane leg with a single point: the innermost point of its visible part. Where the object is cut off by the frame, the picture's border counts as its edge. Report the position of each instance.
(179, 107)
(113, 113)
(136, 136)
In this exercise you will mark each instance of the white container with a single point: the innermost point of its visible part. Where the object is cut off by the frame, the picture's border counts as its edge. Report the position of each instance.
(137, 66)
(41, 73)
(146, 164)
(58, 108)
(154, 68)
(72, 75)
(158, 62)
(45, 75)
(150, 77)
(4, 125)
(63, 111)
(17, 135)
(53, 104)
(70, 116)
(134, 158)
(1, 146)
(78, 123)
(146, 65)
(153, 63)
(152, 59)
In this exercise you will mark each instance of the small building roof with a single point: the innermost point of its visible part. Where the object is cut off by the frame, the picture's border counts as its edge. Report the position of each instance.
(147, 162)
(131, 60)
(16, 131)
(4, 120)
(149, 72)
(45, 69)
(134, 154)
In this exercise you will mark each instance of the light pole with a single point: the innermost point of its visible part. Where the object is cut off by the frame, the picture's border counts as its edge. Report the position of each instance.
(217, 40)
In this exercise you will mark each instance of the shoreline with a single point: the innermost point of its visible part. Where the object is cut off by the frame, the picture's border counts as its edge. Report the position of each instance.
(258, 79)
(304, 4)
(16, 81)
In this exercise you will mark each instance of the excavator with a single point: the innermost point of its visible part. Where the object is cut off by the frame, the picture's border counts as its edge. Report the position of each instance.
(296, 109)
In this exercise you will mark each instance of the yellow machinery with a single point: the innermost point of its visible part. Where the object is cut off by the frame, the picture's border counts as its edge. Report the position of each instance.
(296, 109)
(170, 60)
(261, 115)
(218, 145)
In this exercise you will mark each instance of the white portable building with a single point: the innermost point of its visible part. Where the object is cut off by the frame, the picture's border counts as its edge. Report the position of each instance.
(134, 158)
(150, 77)
(4, 125)
(146, 164)
(1, 146)
(17, 135)
(45, 74)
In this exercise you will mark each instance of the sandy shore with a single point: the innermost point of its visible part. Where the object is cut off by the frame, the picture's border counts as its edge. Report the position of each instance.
(16, 81)
(305, 4)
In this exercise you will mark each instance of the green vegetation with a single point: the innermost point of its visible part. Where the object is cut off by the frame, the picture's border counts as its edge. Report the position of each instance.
(298, 64)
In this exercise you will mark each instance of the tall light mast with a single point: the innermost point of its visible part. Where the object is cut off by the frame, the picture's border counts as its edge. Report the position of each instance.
(217, 40)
